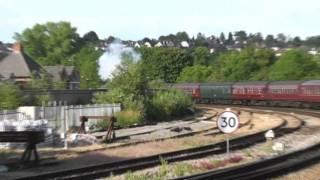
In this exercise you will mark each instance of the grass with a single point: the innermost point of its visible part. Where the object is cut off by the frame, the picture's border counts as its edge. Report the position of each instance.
(166, 171)
(182, 169)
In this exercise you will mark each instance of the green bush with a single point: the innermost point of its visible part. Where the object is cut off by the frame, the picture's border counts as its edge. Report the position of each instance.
(10, 96)
(129, 117)
(102, 125)
(167, 104)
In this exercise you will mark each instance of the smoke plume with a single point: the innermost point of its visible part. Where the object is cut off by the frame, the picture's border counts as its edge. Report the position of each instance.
(112, 57)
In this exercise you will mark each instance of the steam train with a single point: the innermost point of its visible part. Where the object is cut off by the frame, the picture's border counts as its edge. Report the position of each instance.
(268, 93)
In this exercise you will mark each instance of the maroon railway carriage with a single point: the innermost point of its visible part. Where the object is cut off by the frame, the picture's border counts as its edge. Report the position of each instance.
(193, 89)
(310, 92)
(285, 93)
(249, 92)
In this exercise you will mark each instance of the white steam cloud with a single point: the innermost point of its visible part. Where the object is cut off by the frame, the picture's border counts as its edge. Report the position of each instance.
(112, 58)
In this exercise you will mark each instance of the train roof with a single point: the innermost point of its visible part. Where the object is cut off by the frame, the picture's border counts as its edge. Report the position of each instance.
(285, 82)
(251, 83)
(185, 84)
(311, 82)
(217, 84)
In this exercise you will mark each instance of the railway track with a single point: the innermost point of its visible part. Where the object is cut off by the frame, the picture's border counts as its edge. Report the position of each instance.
(263, 169)
(106, 169)
(267, 168)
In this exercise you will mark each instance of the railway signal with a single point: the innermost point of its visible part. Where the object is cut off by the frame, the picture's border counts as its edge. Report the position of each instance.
(228, 122)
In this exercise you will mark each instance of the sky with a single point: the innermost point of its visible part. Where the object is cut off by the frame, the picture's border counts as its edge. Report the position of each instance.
(136, 19)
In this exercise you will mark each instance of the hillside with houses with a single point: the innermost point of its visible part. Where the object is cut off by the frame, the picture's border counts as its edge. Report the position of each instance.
(55, 56)
(237, 40)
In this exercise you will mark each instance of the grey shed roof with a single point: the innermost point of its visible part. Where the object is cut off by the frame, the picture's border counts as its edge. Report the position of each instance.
(18, 64)
(61, 72)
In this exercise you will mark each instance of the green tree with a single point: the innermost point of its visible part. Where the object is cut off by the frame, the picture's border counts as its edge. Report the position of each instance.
(281, 40)
(244, 65)
(10, 96)
(270, 41)
(182, 36)
(222, 38)
(50, 43)
(240, 36)
(201, 40)
(86, 62)
(313, 41)
(197, 73)
(164, 63)
(128, 86)
(255, 39)
(296, 42)
(43, 80)
(91, 37)
(230, 40)
(201, 56)
(294, 65)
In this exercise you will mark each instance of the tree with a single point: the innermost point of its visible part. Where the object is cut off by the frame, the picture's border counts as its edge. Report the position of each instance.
(43, 80)
(128, 85)
(86, 62)
(230, 40)
(270, 41)
(164, 63)
(296, 42)
(10, 96)
(281, 40)
(182, 36)
(255, 38)
(201, 40)
(240, 36)
(313, 41)
(50, 43)
(197, 73)
(91, 37)
(244, 65)
(222, 38)
(294, 65)
(201, 56)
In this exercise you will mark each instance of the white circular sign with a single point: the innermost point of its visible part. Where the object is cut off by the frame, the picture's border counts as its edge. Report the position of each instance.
(228, 122)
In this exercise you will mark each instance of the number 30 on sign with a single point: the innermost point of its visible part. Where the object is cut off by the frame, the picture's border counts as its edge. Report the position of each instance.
(228, 122)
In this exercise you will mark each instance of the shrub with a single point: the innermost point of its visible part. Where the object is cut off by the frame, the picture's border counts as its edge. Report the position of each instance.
(166, 104)
(182, 169)
(10, 96)
(129, 117)
(43, 99)
(130, 176)
(102, 125)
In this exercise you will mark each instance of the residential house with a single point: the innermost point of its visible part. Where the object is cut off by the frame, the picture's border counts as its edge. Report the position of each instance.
(184, 44)
(67, 75)
(18, 67)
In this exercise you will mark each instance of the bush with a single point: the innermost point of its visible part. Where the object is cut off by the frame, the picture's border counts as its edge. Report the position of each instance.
(129, 117)
(102, 125)
(168, 104)
(10, 96)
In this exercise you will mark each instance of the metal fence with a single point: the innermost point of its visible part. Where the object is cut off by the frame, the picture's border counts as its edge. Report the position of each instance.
(60, 117)
(12, 114)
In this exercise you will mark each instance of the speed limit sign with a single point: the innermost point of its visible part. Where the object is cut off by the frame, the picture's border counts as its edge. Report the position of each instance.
(228, 122)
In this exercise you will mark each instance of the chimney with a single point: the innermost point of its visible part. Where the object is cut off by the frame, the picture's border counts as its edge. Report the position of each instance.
(17, 47)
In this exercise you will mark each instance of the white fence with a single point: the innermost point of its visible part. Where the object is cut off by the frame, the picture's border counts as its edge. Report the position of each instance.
(59, 116)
